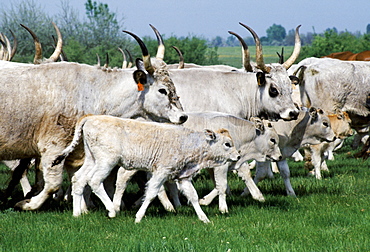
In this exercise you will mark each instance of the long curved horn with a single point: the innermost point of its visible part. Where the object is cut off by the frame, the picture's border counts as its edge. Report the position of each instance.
(62, 56)
(161, 48)
(38, 49)
(106, 65)
(58, 49)
(245, 52)
(98, 63)
(9, 48)
(181, 61)
(281, 56)
(146, 57)
(3, 48)
(130, 59)
(15, 45)
(297, 48)
(124, 63)
(259, 53)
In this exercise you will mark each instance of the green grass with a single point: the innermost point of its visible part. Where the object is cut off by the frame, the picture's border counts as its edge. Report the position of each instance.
(233, 55)
(332, 214)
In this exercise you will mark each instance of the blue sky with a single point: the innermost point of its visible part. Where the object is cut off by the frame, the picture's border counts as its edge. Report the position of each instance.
(210, 18)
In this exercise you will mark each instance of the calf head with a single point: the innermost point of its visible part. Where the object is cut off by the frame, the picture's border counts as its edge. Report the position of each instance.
(319, 128)
(340, 123)
(267, 141)
(221, 146)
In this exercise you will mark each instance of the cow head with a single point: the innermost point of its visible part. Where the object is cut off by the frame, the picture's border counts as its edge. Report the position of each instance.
(273, 80)
(161, 102)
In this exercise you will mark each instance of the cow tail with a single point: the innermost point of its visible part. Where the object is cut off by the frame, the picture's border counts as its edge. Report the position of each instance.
(74, 143)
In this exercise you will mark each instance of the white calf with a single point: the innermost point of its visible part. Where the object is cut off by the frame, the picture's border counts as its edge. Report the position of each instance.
(167, 151)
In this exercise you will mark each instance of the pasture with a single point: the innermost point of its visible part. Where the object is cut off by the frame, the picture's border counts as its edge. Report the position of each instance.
(233, 55)
(332, 214)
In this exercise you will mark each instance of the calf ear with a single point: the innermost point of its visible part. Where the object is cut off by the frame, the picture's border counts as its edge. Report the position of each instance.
(294, 79)
(258, 124)
(140, 79)
(313, 113)
(261, 78)
(210, 135)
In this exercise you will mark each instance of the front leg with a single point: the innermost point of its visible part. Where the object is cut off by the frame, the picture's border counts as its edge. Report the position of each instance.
(187, 188)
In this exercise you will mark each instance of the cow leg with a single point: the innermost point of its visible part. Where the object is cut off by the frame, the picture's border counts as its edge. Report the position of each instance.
(53, 178)
(285, 174)
(123, 177)
(17, 176)
(187, 188)
(155, 182)
(251, 187)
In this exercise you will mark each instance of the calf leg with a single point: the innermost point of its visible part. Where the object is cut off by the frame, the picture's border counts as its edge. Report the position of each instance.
(220, 180)
(152, 189)
(123, 177)
(187, 188)
(285, 174)
(251, 187)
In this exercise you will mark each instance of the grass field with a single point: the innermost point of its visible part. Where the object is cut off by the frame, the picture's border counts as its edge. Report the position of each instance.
(233, 55)
(332, 214)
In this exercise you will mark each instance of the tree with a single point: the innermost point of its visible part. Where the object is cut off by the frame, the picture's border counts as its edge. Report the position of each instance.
(368, 28)
(31, 14)
(276, 33)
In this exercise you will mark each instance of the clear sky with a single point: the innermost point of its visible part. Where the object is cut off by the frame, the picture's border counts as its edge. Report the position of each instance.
(211, 18)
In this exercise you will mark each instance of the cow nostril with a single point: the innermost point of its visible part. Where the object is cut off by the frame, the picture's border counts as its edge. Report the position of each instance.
(183, 118)
(239, 157)
(293, 114)
(280, 158)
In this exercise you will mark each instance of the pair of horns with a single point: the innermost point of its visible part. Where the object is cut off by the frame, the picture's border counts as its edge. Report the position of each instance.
(259, 53)
(7, 51)
(146, 56)
(38, 54)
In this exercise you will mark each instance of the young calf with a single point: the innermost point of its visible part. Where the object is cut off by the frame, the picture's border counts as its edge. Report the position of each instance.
(166, 151)
(311, 127)
(253, 140)
(340, 123)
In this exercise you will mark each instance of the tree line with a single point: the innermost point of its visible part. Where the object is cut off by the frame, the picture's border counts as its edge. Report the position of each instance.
(99, 32)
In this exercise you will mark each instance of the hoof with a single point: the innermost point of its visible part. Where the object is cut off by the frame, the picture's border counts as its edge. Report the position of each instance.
(20, 204)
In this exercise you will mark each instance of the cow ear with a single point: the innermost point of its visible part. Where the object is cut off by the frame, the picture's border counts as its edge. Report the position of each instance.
(261, 78)
(294, 79)
(139, 64)
(140, 79)
(210, 135)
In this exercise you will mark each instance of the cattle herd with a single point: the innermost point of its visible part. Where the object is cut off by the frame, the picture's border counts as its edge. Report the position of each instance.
(102, 125)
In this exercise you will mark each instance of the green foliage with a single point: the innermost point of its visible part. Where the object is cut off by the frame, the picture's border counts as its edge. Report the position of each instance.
(332, 41)
(276, 34)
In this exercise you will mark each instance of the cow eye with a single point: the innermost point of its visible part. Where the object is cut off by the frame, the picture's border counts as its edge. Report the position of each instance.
(273, 91)
(273, 140)
(162, 91)
(228, 145)
(325, 124)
